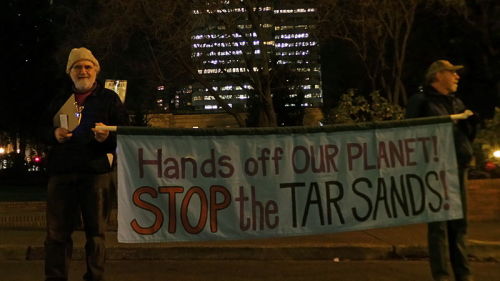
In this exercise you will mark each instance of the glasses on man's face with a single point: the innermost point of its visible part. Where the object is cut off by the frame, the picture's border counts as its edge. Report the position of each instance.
(80, 67)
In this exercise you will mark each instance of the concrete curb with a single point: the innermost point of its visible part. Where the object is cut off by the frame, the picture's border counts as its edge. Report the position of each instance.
(478, 250)
(484, 250)
(334, 252)
(33, 217)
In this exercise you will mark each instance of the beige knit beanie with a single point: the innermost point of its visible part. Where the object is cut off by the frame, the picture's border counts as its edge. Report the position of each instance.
(78, 54)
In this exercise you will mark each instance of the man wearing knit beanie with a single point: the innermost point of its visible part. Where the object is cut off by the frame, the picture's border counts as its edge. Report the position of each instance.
(83, 68)
(78, 54)
(78, 166)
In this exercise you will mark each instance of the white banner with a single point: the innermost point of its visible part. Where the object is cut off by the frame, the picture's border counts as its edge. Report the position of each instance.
(217, 186)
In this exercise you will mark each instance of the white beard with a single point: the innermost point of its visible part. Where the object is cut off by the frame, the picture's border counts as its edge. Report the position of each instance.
(84, 85)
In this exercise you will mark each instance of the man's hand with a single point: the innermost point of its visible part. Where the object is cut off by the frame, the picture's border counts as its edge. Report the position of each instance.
(464, 115)
(62, 135)
(100, 135)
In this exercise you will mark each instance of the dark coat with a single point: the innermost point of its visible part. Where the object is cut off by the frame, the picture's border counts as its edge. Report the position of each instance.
(432, 103)
(82, 153)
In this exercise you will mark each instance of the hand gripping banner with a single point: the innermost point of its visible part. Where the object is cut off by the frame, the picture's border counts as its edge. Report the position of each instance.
(221, 184)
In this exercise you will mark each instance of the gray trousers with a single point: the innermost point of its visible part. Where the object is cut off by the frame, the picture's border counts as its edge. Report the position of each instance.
(70, 196)
(447, 239)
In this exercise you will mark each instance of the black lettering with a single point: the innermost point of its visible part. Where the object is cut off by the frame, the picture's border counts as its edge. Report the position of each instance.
(381, 196)
(433, 191)
(208, 166)
(363, 196)
(399, 196)
(416, 210)
(313, 187)
(292, 187)
(334, 201)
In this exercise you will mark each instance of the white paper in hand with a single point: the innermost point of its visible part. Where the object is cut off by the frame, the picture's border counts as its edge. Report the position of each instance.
(69, 115)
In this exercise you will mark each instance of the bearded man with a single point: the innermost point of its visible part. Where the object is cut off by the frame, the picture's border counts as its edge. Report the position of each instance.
(79, 167)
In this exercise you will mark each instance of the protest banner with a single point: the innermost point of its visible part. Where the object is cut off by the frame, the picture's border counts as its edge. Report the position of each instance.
(218, 184)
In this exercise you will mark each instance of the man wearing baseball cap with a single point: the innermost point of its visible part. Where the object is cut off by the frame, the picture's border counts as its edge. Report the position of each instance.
(438, 98)
(78, 167)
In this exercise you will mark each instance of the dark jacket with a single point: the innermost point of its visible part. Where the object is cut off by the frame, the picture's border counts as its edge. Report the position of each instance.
(432, 103)
(82, 153)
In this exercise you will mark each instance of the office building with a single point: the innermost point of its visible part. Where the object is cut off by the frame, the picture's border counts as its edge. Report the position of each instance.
(221, 50)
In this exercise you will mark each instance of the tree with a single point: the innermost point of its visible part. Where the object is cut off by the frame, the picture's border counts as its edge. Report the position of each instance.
(378, 31)
(288, 97)
(122, 48)
(478, 39)
(166, 30)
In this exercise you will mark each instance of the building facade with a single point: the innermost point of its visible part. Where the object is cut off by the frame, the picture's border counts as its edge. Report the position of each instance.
(232, 45)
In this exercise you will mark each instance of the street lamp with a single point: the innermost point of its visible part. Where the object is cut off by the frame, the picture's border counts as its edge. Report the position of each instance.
(496, 154)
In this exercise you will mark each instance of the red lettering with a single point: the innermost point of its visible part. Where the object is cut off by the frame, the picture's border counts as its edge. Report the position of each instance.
(278, 152)
(143, 162)
(351, 155)
(409, 151)
(203, 210)
(306, 159)
(396, 152)
(215, 207)
(365, 158)
(424, 147)
(171, 171)
(382, 155)
(136, 198)
(225, 161)
(172, 205)
(330, 157)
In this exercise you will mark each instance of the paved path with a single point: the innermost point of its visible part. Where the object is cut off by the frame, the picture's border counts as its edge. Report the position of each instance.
(22, 234)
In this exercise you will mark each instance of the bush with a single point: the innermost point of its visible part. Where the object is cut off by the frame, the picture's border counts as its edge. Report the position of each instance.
(486, 142)
(354, 108)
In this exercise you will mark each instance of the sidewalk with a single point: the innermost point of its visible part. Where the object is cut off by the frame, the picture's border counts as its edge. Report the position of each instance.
(22, 234)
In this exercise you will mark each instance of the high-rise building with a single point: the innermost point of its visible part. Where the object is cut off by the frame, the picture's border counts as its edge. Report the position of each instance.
(227, 45)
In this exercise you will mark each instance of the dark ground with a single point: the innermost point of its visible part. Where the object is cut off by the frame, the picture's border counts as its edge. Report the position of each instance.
(22, 187)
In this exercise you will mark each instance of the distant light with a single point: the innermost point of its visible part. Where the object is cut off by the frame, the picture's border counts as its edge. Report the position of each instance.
(2, 150)
(490, 166)
(496, 153)
(37, 159)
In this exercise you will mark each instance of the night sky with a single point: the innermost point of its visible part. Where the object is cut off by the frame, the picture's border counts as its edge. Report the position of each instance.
(33, 68)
